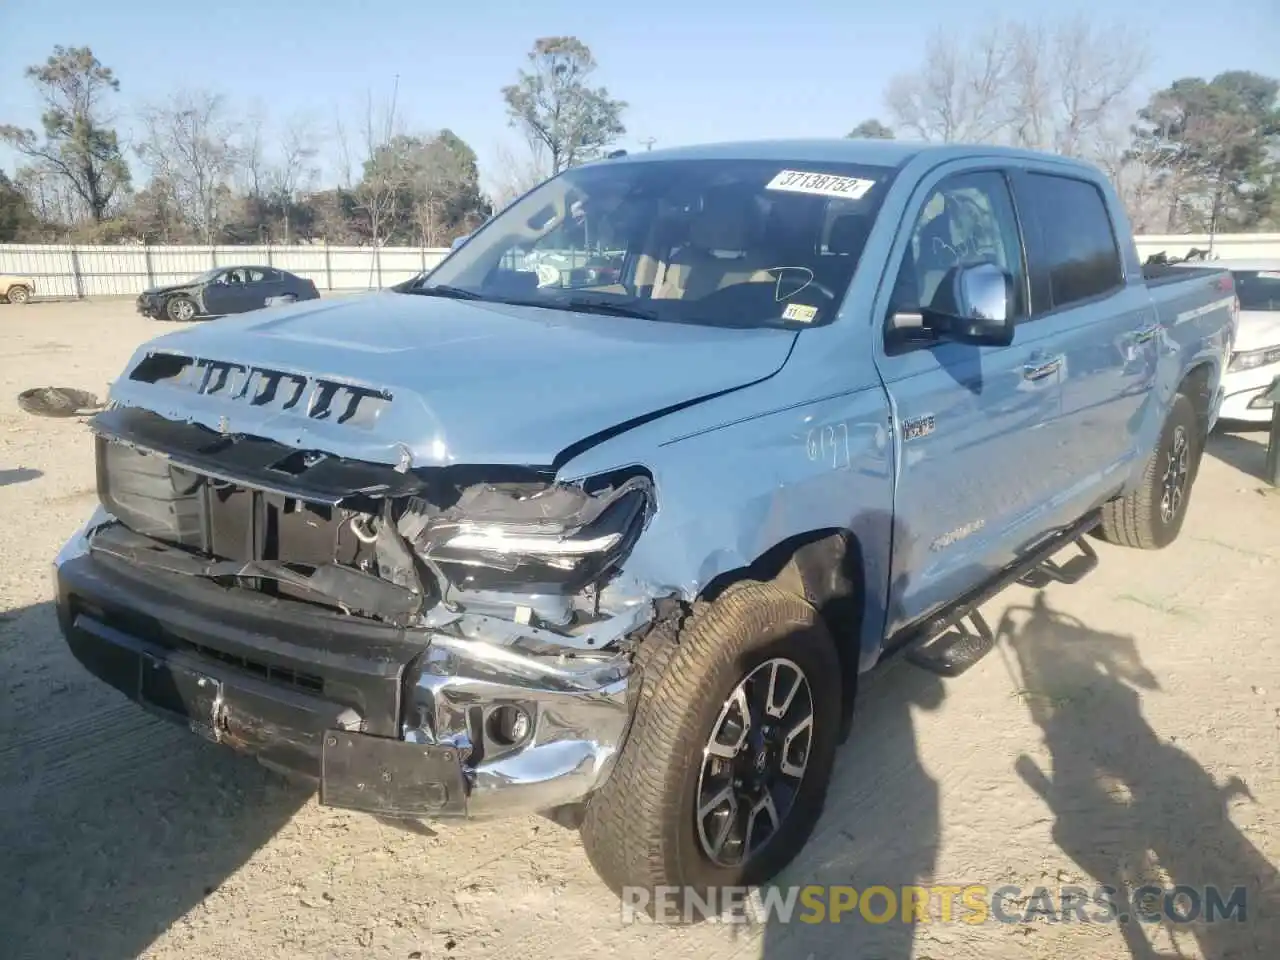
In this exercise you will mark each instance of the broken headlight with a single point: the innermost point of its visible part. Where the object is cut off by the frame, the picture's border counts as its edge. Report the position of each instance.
(545, 539)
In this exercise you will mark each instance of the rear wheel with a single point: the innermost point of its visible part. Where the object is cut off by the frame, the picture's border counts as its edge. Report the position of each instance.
(1151, 516)
(180, 309)
(18, 294)
(726, 768)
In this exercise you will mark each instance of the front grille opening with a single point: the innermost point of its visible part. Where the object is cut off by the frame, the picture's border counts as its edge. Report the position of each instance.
(285, 676)
(160, 367)
(152, 631)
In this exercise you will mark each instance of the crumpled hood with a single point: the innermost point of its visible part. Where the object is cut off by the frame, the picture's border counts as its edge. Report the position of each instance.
(1259, 329)
(462, 382)
(170, 288)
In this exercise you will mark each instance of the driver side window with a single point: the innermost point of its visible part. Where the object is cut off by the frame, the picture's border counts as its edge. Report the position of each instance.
(969, 219)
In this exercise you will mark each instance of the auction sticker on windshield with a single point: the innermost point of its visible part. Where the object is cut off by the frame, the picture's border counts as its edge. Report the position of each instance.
(820, 184)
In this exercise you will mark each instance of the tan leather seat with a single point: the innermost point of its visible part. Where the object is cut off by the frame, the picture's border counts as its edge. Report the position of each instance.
(720, 252)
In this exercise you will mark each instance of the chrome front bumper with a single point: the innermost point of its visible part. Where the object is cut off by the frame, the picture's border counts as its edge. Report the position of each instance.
(417, 737)
(577, 720)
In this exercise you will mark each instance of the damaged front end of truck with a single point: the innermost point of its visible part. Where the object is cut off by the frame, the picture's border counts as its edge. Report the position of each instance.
(421, 640)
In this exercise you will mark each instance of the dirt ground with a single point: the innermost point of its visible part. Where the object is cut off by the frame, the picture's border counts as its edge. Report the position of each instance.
(1125, 730)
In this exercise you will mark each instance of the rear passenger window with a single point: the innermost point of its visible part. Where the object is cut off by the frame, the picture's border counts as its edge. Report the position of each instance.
(1077, 243)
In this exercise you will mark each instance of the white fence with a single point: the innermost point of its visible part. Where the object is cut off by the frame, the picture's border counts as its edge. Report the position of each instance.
(64, 270)
(1225, 246)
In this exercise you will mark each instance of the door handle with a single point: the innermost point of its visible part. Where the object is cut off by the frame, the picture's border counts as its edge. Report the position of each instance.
(1045, 368)
(1143, 334)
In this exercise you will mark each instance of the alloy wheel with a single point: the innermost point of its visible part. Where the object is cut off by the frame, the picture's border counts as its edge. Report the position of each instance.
(754, 762)
(1173, 487)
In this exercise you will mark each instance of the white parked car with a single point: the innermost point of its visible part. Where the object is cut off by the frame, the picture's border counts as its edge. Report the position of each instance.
(1255, 356)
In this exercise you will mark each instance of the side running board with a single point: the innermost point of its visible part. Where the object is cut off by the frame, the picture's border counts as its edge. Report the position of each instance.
(1072, 571)
(955, 651)
(950, 642)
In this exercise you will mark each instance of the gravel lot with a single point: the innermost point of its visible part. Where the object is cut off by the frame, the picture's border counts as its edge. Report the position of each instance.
(1125, 730)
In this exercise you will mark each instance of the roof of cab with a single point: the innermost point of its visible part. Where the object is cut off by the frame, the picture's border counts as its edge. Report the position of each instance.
(883, 153)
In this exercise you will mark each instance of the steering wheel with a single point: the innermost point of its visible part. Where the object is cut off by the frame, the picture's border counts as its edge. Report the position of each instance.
(779, 273)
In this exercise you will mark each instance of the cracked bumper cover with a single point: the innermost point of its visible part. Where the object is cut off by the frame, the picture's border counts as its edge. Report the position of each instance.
(387, 720)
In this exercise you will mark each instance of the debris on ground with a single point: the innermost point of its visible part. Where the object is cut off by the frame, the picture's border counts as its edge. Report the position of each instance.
(58, 402)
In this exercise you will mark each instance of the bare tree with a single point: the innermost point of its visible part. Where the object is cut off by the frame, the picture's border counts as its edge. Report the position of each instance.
(253, 153)
(385, 170)
(1145, 175)
(958, 93)
(49, 193)
(343, 161)
(1095, 69)
(1058, 86)
(510, 176)
(295, 171)
(190, 142)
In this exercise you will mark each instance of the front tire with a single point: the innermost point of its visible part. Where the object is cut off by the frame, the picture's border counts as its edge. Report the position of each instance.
(1151, 516)
(725, 771)
(18, 294)
(180, 309)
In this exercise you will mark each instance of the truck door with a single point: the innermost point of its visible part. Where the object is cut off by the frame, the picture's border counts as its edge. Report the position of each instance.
(971, 422)
(1105, 330)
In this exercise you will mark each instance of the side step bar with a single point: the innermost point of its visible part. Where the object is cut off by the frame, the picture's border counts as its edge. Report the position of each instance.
(953, 640)
(1072, 571)
(955, 651)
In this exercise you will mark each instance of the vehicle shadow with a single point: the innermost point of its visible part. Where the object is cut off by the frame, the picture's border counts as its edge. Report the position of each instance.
(1132, 808)
(881, 824)
(881, 828)
(113, 824)
(1244, 448)
(18, 475)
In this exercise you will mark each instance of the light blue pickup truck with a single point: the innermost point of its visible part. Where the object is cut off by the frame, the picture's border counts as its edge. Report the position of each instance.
(621, 545)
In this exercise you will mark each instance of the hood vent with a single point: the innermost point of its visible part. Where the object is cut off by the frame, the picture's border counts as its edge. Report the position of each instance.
(271, 390)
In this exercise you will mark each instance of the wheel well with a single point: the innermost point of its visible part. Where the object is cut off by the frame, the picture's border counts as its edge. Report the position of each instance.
(826, 568)
(1195, 387)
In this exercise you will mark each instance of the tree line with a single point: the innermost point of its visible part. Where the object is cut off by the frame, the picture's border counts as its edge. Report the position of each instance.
(1199, 155)
(196, 170)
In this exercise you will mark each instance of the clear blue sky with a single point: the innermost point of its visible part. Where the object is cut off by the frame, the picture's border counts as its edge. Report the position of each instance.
(692, 70)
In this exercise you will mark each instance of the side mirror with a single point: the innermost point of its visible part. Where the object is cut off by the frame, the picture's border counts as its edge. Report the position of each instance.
(458, 241)
(973, 304)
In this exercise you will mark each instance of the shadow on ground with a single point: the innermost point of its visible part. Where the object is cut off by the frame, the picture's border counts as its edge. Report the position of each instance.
(18, 475)
(881, 826)
(1244, 448)
(1131, 808)
(113, 824)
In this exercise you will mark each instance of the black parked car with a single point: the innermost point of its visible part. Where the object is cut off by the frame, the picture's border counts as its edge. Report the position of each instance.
(224, 290)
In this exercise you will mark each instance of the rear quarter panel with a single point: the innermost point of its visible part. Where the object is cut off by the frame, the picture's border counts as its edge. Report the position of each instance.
(1196, 315)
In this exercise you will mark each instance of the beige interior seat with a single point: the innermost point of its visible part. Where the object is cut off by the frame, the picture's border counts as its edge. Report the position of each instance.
(720, 252)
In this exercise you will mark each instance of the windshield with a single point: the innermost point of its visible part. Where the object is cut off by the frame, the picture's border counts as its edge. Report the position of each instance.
(1258, 289)
(742, 243)
(204, 277)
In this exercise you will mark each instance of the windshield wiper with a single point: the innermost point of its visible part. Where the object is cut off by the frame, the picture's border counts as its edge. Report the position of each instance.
(444, 290)
(608, 307)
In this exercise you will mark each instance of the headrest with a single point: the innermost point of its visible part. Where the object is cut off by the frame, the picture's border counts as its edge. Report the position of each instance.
(724, 223)
(848, 234)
